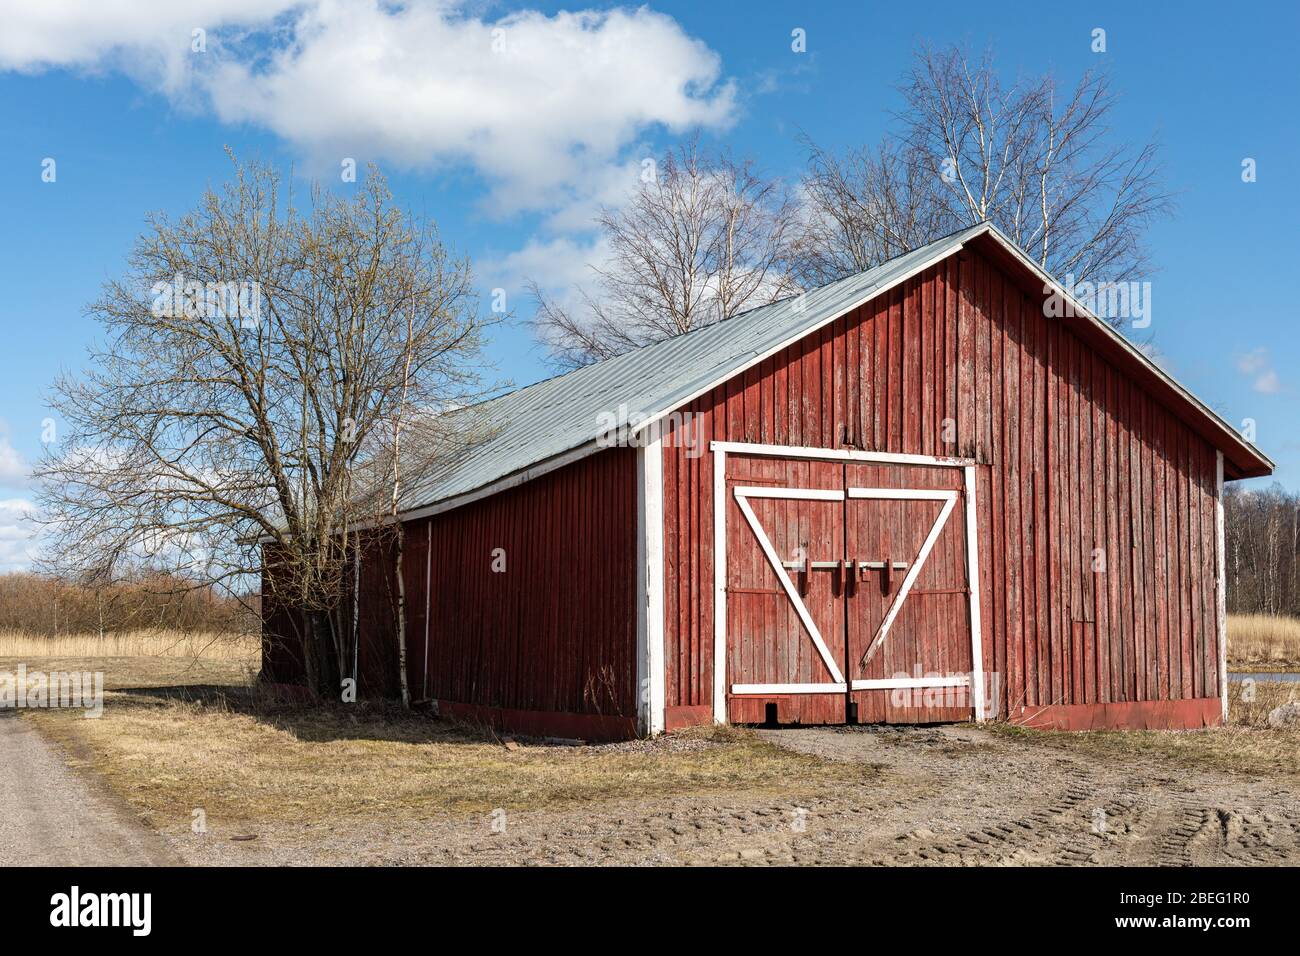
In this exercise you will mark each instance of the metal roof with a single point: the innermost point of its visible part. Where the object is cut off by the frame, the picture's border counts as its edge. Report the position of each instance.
(541, 421)
(528, 427)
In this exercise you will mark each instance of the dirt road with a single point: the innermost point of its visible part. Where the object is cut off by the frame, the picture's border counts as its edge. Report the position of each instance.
(940, 796)
(51, 816)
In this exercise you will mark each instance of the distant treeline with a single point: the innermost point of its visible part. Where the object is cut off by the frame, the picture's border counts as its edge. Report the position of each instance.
(1261, 537)
(1262, 544)
(48, 606)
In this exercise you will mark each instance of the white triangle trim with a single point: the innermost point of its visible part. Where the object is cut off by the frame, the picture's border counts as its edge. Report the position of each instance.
(742, 499)
(949, 498)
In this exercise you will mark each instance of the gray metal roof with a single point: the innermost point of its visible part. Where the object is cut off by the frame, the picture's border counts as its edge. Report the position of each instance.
(532, 425)
(538, 422)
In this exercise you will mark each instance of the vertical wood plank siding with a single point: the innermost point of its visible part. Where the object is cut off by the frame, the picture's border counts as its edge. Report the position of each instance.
(556, 631)
(552, 634)
(1096, 504)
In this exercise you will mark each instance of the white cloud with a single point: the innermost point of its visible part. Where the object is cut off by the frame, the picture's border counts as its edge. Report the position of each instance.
(1255, 365)
(13, 468)
(555, 264)
(17, 536)
(537, 104)
(1267, 382)
(544, 107)
(150, 41)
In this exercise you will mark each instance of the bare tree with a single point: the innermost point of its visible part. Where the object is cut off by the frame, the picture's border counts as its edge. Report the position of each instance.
(703, 240)
(864, 207)
(1262, 548)
(1038, 163)
(255, 359)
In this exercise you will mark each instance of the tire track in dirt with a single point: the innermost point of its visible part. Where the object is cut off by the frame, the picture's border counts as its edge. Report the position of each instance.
(947, 796)
(1044, 834)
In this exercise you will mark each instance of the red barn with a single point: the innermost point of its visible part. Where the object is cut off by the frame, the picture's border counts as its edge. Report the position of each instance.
(938, 490)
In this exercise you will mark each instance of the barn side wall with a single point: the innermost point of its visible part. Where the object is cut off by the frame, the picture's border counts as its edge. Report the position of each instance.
(555, 632)
(548, 644)
(282, 641)
(1096, 505)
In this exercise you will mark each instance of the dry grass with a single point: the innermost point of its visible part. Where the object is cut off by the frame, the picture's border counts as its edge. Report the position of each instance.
(1246, 746)
(180, 735)
(241, 648)
(1263, 642)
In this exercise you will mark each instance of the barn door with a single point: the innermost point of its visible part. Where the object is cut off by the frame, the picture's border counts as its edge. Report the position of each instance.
(785, 607)
(909, 618)
(846, 592)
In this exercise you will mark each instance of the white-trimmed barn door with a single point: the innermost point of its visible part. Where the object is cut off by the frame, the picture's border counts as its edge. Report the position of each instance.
(785, 607)
(909, 606)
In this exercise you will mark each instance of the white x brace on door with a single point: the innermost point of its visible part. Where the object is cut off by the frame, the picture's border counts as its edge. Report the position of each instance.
(949, 499)
(837, 683)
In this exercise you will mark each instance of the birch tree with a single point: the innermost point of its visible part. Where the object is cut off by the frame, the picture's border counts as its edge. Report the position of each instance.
(703, 238)
(1038, 160)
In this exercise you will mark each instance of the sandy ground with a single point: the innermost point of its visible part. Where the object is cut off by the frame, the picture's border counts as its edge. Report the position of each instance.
(51, 816)
(942, 796)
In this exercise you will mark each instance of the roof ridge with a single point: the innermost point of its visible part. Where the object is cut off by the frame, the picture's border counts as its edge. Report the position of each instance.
(732, 318)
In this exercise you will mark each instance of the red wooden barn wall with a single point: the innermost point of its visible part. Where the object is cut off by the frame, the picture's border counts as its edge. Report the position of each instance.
(1074, 457)
(282, 660)
(555, 633)
(547, 646)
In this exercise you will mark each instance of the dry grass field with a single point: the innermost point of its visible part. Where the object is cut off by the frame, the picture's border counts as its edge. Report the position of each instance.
(1263, 642)
(181, 734)
(186, 645)
(1246, 746)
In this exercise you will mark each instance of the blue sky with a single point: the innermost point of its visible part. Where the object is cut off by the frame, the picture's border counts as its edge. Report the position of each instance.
(511, 155)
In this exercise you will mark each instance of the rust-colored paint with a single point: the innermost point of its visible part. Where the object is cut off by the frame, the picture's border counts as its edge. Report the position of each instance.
(1095, 526)
(555, 632)
(1124, 715)
(1096, 503)
(532, 606)
(675, 718)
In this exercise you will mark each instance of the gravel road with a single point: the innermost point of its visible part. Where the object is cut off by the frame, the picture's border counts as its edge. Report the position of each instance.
(51, 816)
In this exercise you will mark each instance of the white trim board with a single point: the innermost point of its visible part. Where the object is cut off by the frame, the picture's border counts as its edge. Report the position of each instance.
(973, 587)
(1221, 583)
(651, 676)
(835, 454)
(883, 683)
(774, 560)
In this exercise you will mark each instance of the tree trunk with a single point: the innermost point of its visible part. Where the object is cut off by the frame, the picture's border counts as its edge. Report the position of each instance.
(401, 619)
